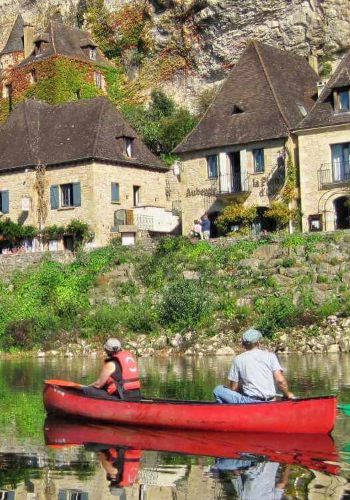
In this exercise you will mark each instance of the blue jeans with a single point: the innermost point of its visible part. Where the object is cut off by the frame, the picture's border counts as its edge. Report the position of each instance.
(225, 395)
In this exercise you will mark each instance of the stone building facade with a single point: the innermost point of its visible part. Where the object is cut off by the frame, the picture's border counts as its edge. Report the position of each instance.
(324, 151)
(79, 161)
(237, 153)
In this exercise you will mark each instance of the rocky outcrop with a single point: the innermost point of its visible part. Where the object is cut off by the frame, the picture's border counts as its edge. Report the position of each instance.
(212, 33)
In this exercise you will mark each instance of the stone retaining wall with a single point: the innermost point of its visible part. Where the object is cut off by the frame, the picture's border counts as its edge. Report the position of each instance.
(14, 262)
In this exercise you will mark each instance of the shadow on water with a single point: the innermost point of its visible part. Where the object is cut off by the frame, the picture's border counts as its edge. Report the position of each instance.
(80, 461)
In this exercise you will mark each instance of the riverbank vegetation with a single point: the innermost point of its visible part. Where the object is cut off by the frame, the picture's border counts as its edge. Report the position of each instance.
(182, 286)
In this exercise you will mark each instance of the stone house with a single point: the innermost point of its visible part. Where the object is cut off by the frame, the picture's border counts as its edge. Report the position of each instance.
(83, 161)
(324, 152)
(59, 53)
(237, 153)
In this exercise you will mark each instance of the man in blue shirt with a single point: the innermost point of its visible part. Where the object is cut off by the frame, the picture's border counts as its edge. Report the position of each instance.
(205, 223)
(253, 375)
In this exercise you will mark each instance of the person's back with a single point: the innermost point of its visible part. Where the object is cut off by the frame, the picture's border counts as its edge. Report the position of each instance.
(255, 371)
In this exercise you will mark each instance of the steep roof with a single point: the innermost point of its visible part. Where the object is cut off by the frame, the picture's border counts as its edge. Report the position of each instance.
(15, 40)
(322, 114)
(63, 40)
(260, 100)
(36, 132)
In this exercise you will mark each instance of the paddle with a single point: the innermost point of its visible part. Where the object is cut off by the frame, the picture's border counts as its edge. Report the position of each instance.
(64, 383)
(344, 409)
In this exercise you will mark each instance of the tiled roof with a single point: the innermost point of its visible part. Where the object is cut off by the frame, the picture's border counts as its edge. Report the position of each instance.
(39, 133)
(59, 39)
(269, 87)
(15, 39)
(322, 114)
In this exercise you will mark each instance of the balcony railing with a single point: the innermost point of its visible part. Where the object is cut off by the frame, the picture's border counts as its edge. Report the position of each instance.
(234, 184)
(333, 174)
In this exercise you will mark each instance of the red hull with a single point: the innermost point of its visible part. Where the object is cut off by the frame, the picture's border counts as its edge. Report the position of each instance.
(305, 416)
(310, 451)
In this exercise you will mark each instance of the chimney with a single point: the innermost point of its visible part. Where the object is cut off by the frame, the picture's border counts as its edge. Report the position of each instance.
(313, 61)
(28, 39)
(320, 86)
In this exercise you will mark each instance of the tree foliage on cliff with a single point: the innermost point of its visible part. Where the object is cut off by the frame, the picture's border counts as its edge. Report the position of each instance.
(162, 124)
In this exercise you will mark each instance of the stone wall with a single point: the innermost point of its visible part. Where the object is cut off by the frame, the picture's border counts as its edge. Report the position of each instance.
(19, 262)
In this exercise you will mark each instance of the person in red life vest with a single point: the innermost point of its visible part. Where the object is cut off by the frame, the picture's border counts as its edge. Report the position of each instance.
(119, 377)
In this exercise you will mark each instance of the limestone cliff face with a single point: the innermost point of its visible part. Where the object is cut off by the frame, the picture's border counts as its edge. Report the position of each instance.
(216, 31)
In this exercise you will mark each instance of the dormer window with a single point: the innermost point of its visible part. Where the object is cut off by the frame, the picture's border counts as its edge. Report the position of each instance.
(236, 109)
(38, 48)
(342, 100)
(129, 146)
(33, 77)
(99, 80)
(302, 110)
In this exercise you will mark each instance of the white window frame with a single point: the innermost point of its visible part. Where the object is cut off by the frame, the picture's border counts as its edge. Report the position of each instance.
(63, 195)
(129, 146)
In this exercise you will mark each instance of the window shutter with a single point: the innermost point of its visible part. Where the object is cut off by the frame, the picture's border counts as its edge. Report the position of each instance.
(115, 191)
(54, 197)
(76, 194)
(5, 202)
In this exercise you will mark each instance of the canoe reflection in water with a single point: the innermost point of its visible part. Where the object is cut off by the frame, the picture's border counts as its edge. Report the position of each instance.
(314, 451)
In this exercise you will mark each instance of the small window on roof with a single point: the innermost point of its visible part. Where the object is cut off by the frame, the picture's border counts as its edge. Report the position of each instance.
(236, 109)
(302, 110)
(129, 146)
(92, 53)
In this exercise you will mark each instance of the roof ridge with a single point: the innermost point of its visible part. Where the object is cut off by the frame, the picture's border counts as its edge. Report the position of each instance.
(255, 45)
(103, 104)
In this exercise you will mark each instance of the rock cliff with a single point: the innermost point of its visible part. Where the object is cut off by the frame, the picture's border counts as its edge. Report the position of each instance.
(214, 32)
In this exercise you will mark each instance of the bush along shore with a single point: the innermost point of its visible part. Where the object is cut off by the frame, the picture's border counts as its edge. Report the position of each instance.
(184, 297)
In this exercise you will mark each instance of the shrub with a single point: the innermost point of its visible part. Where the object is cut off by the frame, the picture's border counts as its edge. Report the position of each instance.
(281, 214)
(183, 305)
(236, 214)
(276, 312)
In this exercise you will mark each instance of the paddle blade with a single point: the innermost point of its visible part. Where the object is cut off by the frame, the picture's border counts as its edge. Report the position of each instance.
(344, 409)
(63, 383)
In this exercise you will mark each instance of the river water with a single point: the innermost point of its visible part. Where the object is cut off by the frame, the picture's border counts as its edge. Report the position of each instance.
(75, 461)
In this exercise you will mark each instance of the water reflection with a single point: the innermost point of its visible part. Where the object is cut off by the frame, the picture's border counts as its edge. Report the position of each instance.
(169, 464)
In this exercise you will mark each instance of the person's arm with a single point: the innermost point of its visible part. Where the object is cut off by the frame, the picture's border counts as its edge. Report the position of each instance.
(107, 370)
(234, 386)
(281, 383)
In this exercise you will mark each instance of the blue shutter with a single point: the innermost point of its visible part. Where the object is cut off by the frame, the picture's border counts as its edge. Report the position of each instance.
(76, 194)
(54, 197)
(115, 191)
(5, 202)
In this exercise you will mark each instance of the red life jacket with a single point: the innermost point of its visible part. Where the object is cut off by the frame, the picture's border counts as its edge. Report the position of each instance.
(129, 462)
(130, 379)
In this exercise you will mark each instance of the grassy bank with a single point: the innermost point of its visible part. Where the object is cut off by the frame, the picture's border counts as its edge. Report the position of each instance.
(181, 286)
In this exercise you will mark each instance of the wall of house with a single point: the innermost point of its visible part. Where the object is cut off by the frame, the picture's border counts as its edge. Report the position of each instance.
(314, 151)
(199, 194)
(152, 193)
(96, 207)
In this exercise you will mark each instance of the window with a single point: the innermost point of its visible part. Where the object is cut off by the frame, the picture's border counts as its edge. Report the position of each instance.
(115, 194)
(65, 195)
(129, 146)
(259, 161)
(38, 48)
(136, 193)
(92, 53)
(7, 91)
(340, 162)
(32, 77)
(315, 222)
(302, 110)
(99, 81)
(212, 163)
(342, 101)
(4, 202)
(236, 110)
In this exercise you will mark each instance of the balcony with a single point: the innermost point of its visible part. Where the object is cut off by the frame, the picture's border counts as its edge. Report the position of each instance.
(334, 174)
(234, 184)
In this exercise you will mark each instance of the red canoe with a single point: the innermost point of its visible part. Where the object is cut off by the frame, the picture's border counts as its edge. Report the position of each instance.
(313, 451)
(302, 416)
